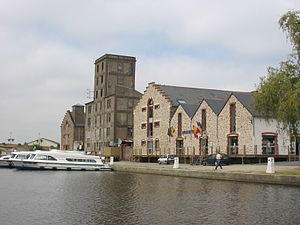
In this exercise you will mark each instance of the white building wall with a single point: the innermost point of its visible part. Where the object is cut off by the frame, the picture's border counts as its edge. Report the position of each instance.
(263, 126)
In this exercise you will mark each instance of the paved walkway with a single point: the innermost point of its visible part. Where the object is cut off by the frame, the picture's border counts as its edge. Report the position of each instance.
(245, 168)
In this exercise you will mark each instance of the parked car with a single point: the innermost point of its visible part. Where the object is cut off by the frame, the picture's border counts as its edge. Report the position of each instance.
(167, 159)
(211, 159)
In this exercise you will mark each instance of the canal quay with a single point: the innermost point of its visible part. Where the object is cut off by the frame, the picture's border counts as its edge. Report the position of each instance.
(286, 173)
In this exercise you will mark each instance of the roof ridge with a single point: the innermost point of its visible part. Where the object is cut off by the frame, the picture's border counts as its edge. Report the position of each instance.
(212, 89)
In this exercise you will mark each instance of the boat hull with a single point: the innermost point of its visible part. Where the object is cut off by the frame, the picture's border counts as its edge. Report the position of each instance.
(27, 165)
(5, 164)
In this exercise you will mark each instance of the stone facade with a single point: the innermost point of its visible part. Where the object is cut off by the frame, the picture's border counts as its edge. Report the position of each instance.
(227, 121)
(45, 143)
(72, 129)
(110, 114)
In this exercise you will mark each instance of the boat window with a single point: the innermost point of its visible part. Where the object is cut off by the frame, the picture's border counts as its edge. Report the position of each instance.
(51, 158)
(70, 159)
(20, 156)
(91, 160)
(13, 156)
(41, 157)
(32, 156)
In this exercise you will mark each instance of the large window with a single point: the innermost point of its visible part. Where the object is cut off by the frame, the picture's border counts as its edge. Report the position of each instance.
(232, 118)
(179, 147)
(203, 119)
(179, 124)
(150, 146)
(233, 144)
(157, 145)
(269, 144)
(150, 118)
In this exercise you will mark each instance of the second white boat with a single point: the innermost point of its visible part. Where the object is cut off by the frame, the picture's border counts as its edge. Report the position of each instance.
(61, 160)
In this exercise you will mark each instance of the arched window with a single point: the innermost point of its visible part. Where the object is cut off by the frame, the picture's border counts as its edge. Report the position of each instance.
(150, 118)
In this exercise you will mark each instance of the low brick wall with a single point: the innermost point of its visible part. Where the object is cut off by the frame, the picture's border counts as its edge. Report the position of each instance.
(229, 176)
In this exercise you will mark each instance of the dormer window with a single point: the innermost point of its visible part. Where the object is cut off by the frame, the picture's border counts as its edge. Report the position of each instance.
(181, 101)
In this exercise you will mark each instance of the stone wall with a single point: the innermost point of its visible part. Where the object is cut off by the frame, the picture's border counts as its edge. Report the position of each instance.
(244, 127)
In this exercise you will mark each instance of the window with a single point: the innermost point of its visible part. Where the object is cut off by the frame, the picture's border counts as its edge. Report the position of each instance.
(130, 103)
(232, 118)
(143, 125)
(144, 109)
(120, 79)
(150, 146)
(233, 144)
(89, 122)
(179, 147)
(157, 106)
(157, 145)
(179, 124)
(96, 94)
(102, 79)
(108, 117)
(102, 66)
(97, 68)
(101, 92)
(150, 118)
(89, 109)
(203, 119)
(143, 143)
(107, 132)
(97, 81)
(156, 124)
(129, 132)
(108, 103)
(181, 101)
(269, 143)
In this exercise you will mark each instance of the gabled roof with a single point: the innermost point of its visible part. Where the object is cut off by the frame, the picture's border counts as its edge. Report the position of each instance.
(190, 109)
(246, 99)
(216, 105)
(192, 95)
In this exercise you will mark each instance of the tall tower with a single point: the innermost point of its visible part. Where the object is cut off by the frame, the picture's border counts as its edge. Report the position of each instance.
(109, 117)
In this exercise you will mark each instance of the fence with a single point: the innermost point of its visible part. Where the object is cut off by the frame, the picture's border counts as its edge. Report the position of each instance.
(240, 151)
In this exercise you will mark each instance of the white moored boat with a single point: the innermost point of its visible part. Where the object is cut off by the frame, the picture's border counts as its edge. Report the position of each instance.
(61, 160)
(6, 161)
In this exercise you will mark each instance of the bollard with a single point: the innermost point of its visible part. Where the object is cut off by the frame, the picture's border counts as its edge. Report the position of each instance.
(270, 167)
(111, 160)
(176, 163)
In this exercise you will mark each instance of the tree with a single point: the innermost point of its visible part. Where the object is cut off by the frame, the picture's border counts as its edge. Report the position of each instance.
(278, 94)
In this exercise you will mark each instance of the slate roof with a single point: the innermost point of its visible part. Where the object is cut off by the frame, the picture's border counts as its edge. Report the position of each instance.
(190, 109)
(216, 105)
(193, 95)
(246, 99)
(189, 98)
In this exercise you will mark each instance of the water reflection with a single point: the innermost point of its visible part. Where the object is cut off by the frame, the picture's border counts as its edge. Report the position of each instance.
(47, 197)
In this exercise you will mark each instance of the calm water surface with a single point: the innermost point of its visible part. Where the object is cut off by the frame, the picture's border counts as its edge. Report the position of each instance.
(73, 197)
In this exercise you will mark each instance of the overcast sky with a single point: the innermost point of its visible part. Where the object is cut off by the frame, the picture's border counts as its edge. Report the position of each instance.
(48, 49)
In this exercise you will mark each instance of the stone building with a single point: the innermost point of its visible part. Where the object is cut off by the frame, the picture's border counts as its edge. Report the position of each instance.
(44, 143)
(194, 122)
(109, 117)
(72, 129)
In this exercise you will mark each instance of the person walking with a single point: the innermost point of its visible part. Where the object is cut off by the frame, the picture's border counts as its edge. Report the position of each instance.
(218, 161)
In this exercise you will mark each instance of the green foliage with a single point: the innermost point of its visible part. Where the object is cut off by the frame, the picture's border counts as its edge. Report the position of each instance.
(278, 94)
(36, 147)
(290, 23)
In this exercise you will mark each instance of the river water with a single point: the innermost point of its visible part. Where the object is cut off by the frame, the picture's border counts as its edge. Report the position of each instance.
(84, 197)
